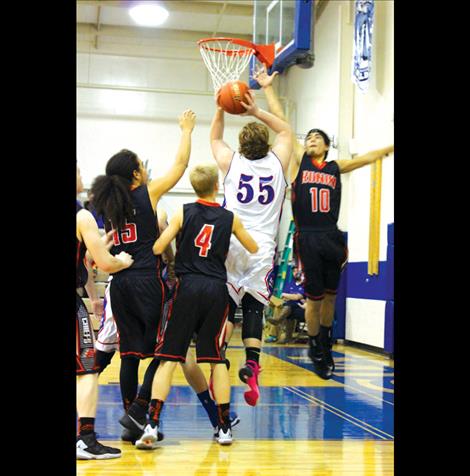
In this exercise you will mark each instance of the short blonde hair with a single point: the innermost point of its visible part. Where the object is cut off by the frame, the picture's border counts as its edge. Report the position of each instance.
(203, 178)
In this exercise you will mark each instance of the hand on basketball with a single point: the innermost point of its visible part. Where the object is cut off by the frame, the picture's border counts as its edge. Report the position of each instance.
(126, 258)
(262, 77)
(250, 105)
(187, 120)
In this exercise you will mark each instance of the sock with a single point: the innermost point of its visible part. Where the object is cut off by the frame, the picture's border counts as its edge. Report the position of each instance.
(313, 340)
(209, 406)
(128, 380)
(156, 407)
(252, 353)
(326, 335)
(223, 414)
(86, 426)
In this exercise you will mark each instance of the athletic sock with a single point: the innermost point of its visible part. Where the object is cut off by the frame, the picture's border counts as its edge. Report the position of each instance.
(209, 406)
(156, 407)
(86, 426)
(252, 353)
(223, 414)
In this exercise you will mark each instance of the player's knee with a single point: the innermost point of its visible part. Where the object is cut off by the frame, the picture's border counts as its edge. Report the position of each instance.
(252, 318)
(231, 311)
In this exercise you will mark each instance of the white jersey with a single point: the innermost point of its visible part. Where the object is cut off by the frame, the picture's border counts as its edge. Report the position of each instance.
(255, 190)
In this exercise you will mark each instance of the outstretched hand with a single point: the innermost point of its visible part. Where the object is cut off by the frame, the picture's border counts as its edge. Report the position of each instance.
(187, 120)
(263, 78)
(250, 105)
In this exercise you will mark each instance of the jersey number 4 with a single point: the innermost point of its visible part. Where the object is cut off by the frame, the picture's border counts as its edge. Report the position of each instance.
(324, 199)
(128, 234)
(203, 240)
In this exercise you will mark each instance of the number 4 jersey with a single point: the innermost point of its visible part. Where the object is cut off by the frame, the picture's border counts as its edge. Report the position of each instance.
(255, 191)
(203, 242)
(316, 195)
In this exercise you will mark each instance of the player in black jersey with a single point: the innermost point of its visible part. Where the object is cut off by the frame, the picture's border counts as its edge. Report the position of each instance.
(88, 238)
(201, 297)
(127, 200)
(318, 243)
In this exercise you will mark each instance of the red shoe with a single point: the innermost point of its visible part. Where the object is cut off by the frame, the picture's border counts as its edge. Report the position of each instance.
(249, 375)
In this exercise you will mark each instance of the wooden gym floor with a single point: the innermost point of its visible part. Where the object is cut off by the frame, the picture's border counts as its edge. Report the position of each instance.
(302, 425)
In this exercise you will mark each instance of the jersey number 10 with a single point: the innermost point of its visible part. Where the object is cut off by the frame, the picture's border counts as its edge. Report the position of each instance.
(324, 199)
(203, 240)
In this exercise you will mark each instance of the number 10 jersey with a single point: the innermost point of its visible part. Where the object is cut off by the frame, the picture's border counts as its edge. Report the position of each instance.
(255, 191)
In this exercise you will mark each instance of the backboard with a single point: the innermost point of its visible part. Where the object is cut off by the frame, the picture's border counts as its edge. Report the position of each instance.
(289, 25)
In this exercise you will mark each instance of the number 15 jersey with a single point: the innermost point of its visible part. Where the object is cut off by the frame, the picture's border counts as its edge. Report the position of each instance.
(255, 191)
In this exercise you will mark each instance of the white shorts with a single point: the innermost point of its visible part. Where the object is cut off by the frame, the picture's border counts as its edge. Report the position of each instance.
(108, 335)
(251, 273)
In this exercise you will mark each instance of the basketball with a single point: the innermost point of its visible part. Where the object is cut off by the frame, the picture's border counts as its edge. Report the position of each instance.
(230, 95)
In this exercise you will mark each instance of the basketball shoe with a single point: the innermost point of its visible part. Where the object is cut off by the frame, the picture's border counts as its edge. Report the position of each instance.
(249, 374)
(318, 358)
(134, 421)
(149, 439)
(234, 421)
(223, 435)
(326, 342)
(88, 447)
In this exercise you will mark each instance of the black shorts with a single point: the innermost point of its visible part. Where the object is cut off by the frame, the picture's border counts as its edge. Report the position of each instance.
(200, 306)
(322, 256)
(137, 301)
(85, 353)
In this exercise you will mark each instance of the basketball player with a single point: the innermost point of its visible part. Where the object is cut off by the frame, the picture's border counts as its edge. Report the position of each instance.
(88, 238)
(318, 243)
(108, 342)
(128, 203)
(201, 299)
(255, 187)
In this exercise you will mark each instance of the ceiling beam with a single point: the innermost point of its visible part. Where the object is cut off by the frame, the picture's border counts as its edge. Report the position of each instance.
(147, 33)
(183, 6)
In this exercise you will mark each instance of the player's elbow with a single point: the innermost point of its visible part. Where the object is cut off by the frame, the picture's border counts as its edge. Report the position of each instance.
(157, 248)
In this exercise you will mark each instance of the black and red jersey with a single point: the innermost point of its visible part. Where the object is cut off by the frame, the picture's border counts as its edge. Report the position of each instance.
(82, 273)
(204, 240)
(139, 234)
(316, 195)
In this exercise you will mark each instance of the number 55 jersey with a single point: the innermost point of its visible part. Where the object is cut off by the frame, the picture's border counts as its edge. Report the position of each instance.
(255, 190)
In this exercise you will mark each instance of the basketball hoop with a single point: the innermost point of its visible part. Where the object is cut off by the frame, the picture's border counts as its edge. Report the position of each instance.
(227, 58)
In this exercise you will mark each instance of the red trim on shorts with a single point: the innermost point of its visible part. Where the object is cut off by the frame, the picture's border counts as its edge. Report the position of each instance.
(234, 288)
(209, 204)
(171, 357)
(331, 291)
(262, 295)
(138, 354)
(209, 359)
(107, 343)
(315, 298)
(170, 311)
(222, 328)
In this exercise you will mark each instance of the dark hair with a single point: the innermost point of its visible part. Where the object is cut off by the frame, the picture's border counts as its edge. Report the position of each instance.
(253, 140)
(323, 134)
(111, 196)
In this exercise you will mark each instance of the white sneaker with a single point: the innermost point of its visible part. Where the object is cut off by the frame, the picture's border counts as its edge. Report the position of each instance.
(224, 437)
(149, 440)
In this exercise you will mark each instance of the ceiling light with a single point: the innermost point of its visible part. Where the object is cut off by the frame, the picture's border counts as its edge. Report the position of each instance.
(148, 15)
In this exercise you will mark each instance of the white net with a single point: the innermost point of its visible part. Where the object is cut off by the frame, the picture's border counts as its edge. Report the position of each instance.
(225, 60)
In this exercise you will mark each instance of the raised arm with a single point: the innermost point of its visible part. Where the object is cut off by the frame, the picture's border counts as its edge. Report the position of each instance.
(243, 236)
(282, 146)
(169, 233)
(87, 230)
(346, 166)
(157, 187)
(265, 81)
(222, 153)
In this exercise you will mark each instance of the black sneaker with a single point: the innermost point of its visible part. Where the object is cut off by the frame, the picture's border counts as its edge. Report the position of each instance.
(317, 356)
(326, 342)
(135, 428)
(88, 447)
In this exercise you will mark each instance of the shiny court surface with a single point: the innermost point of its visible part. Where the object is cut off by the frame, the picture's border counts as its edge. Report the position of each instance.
(302, 424)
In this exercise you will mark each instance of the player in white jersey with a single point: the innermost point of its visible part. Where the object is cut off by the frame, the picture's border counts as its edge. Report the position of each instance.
(254, 187)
